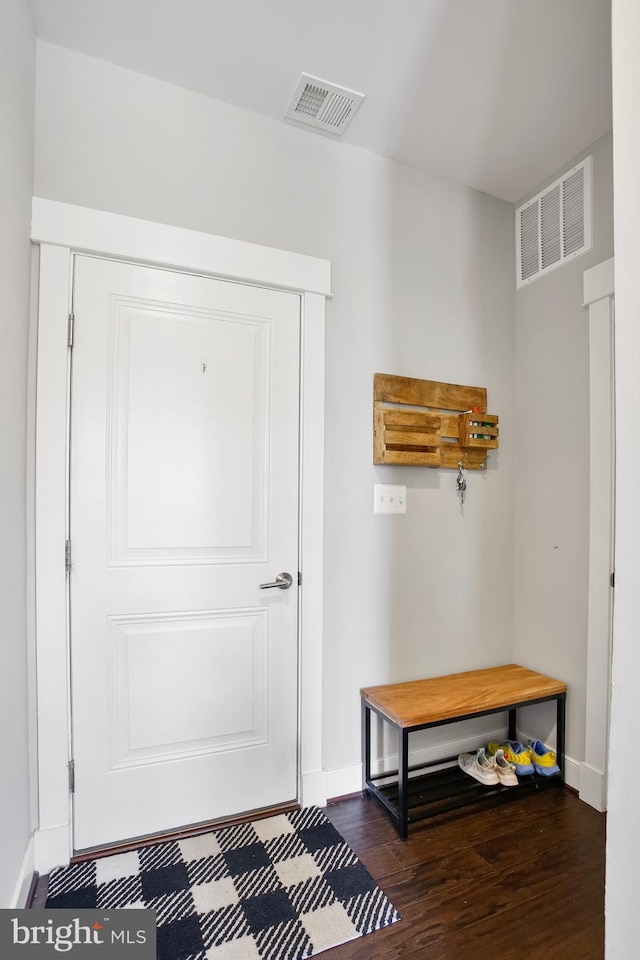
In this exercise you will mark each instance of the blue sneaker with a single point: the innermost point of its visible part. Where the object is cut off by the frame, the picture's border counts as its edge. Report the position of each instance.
(515, 753)
(543, 759)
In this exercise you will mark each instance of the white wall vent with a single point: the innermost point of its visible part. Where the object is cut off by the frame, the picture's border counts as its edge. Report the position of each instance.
(554, 226)
(324, 106)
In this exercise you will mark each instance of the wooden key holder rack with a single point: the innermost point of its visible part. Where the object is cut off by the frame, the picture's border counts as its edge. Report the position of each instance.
(441, 425)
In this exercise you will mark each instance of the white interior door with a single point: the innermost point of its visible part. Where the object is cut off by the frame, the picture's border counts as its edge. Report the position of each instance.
(184, 499)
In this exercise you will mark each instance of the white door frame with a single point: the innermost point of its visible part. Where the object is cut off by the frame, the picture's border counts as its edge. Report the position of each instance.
(63, 229)
(598, 297)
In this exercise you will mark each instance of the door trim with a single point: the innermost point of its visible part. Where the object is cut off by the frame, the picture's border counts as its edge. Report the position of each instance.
(143, 241)
(598, 287)
(61, 230)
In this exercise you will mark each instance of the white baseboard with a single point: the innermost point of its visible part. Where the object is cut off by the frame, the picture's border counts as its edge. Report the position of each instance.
(52, 848)
(314, 789)
(572, 772)
(24, 878)
(593, 787)
(344, 781)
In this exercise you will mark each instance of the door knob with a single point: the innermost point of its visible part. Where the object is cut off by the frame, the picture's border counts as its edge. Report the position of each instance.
(282, 580)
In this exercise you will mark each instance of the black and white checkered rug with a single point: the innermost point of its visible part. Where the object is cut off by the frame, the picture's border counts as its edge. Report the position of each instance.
(283, 888)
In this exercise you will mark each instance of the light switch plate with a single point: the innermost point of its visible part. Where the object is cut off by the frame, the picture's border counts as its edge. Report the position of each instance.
(389, 498)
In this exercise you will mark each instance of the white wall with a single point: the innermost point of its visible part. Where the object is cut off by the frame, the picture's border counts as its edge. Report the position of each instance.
(17, 68)
(552, 472)
(423, 286)
(623, 839)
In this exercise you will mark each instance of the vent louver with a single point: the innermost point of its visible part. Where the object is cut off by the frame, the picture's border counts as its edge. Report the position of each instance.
(324, 106)
(554, 226)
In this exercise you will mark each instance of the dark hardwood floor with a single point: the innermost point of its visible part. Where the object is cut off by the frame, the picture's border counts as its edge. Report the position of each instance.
(517, 881)
(514, 881)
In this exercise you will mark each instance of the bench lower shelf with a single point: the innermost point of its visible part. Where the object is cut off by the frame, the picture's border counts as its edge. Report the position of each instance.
(441, 791)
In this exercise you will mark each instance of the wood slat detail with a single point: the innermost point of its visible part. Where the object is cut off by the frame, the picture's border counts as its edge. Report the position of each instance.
(478, 430)
(441, 698)
(410, 418)
(472, 458)
(481, 443)
(450, 426)
(417, 458)
(427, 393)
(378, 433)
(403, 438)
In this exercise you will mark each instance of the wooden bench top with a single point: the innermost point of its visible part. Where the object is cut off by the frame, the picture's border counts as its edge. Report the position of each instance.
(459, 694)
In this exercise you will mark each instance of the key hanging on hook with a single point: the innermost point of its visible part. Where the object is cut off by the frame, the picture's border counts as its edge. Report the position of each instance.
(461, 482)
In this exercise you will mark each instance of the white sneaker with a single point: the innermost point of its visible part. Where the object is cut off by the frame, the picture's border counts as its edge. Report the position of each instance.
(479, 766)
(506, 771)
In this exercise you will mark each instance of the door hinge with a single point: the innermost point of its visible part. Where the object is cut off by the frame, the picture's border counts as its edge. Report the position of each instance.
(70, 325)
(299, 579)
(72, 776)
(67, 556)
(612, 579)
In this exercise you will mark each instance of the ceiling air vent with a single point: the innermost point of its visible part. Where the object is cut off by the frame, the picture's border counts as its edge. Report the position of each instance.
(554, 226)
(324, 106)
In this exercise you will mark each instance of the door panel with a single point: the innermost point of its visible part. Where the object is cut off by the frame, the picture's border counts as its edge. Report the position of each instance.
(170, 432)
(186, 686)
(184, 486)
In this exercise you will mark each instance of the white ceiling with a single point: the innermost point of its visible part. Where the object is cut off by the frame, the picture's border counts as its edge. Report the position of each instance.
(496, 94)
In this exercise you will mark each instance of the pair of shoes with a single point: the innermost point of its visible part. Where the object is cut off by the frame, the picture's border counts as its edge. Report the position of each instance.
(534, 758)
(543, 759)
(514, 753)
(506, 770)
(479, 766)
(488, 770)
